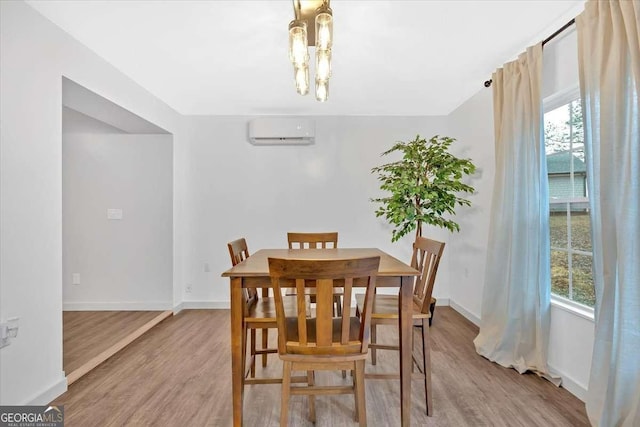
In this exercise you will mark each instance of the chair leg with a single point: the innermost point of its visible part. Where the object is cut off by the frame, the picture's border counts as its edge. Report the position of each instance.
(361, 410)
(253, 353)
(244, 355)
(312, 398)
(432, 308)
(373, 341)
(286, 389)
(426, 363)
(265, 345)
(337, 302)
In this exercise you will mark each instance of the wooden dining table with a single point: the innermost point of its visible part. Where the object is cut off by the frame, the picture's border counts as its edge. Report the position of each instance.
(254, 272)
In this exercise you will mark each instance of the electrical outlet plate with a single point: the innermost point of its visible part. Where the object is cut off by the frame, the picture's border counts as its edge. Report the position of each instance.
(12, 325)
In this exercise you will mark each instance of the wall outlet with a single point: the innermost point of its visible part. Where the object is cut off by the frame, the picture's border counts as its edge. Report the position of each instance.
(114, 213)
(8, 330)
(75, 279)
(207, 268)
(188, 289)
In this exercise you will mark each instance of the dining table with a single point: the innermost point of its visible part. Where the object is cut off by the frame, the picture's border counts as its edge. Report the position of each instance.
(254, 273)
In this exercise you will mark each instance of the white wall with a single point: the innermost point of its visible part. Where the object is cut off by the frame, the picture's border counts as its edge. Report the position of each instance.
(472, 125)
(76, 122)
(560, 64)
(571, 335)
(123, 264)
(35, 55)
(261, 192)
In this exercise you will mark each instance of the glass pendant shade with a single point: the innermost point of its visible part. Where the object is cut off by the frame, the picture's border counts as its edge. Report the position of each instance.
(324, 28)
(298, 45)
(323, 64)
(322, 21)
(302, 80)
(322, 90)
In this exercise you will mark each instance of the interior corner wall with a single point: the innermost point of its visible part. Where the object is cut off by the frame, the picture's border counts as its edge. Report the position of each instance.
(261, 192)
(123, 264)
(35, 54)
(472, 125)
(571, 336)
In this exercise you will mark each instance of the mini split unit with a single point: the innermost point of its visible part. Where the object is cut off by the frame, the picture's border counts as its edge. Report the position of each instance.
(282, 131)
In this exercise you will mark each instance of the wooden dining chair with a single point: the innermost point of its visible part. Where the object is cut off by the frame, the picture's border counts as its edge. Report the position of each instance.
(312, 240)
(259, 313)
(316, 241)
(316, 340)
(425, 259)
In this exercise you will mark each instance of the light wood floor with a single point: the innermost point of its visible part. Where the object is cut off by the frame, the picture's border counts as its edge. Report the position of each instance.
(178, 374)
(89, 334)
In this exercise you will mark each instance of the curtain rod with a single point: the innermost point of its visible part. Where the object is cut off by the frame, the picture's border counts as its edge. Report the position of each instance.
(487, 83)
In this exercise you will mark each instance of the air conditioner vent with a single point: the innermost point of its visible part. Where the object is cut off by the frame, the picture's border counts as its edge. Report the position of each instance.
(281, 131)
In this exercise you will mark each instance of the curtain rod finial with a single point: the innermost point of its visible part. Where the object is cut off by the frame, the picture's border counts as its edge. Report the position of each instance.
(487, 83)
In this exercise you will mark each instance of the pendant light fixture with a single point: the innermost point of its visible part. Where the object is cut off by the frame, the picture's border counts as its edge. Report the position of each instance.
(313, 25)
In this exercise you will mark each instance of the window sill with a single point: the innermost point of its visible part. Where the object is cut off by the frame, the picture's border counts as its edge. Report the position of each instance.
(572, 307)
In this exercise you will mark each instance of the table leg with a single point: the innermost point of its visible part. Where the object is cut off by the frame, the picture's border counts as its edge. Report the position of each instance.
(237, 336)
(406, 342)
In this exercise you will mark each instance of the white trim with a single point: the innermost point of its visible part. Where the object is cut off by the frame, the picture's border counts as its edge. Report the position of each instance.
(572, 307)
(178, 308)
(51, 393)
(194, 305)
(117, 306)
(467, 314)
(560, 98)
(442, 302)
(569, 384)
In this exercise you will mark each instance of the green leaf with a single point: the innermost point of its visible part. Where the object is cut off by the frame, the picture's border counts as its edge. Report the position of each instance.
(423, 186)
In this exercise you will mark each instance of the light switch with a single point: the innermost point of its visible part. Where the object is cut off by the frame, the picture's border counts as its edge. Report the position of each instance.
(75, 279)
(114, 213)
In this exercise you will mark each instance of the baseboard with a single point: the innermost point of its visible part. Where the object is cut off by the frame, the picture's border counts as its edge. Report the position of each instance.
(117, 306)
(467, 314)
(442, 302)
(195, 305)
(573, 387)
(94, 362)
(178, 308)
(50, 393)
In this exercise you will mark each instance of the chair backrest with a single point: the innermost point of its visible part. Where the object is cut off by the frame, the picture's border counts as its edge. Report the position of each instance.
(425, 259)
(312, 240)
(238, 251)
(319, 333)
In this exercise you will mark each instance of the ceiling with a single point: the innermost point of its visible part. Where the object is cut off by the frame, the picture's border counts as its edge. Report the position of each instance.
(230, 57)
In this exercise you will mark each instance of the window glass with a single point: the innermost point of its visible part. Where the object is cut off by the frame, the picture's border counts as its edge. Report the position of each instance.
(569, 216)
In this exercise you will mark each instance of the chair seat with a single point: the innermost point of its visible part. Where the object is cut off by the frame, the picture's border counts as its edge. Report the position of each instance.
(386, 307)
(264, 310)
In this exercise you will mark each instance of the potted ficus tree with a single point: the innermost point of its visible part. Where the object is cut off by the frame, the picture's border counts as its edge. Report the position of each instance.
(424, 186)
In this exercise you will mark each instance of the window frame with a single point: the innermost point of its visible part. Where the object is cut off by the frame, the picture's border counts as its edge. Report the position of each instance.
(553, 101)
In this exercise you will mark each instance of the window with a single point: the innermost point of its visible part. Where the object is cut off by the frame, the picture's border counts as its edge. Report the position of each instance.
(569, 216)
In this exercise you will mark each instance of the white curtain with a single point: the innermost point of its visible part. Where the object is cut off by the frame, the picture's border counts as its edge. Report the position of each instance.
(514, 328)
(609, 58)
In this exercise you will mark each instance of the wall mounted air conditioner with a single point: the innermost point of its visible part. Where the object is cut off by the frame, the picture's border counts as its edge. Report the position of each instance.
(282, 131)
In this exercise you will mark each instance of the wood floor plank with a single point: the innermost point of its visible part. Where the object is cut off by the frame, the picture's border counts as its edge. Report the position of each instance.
(87, 334)
(179, 373)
